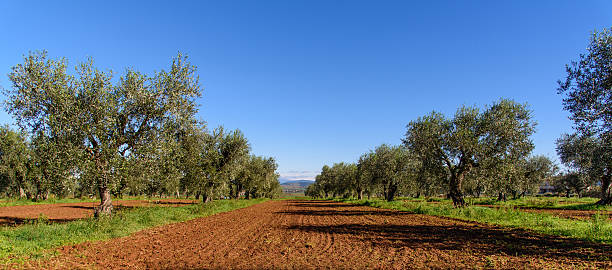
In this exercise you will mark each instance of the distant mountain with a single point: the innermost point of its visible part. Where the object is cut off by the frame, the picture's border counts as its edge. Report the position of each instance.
(304, 183)
(295, 186)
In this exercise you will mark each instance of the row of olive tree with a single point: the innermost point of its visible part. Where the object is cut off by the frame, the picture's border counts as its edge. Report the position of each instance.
(135, 134)
(482, 152)
(382, 172)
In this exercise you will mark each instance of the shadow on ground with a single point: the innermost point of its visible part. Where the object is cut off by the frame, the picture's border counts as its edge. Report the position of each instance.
(442, 234)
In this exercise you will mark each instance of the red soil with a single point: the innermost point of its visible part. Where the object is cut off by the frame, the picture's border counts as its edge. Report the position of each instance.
(330, 235)
(62, 212)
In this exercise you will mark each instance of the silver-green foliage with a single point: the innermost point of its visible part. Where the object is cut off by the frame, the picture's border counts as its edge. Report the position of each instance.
(587, 92)
(494, 139)
(100, 119)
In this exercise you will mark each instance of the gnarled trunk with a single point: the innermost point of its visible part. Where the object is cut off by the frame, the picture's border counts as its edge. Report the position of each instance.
(206, 198)
(606, 190)
(455, 189)
(391, 191)
(106, 203)
(22, 193)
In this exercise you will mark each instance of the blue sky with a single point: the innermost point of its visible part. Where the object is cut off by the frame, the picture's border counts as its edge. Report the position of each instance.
(316, 82)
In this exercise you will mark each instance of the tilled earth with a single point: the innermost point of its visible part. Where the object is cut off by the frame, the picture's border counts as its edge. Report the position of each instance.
(63, 212)
(330, 235)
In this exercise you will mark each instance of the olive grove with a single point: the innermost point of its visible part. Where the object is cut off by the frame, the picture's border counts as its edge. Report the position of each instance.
(91, 132)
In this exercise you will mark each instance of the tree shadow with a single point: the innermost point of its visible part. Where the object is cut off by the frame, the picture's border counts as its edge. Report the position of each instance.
(478, 238)
(79, 207)
(343, 213)
(115, 207)
(325, 204)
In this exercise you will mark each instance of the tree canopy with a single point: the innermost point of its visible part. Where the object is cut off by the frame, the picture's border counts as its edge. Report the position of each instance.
(498, 135)
(587, 96)
(89, 131)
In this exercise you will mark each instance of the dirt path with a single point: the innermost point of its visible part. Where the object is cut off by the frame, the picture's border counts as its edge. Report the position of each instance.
(329, 235)
(63, 212)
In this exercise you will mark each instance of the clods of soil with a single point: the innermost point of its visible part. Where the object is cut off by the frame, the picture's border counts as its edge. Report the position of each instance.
(330, 235)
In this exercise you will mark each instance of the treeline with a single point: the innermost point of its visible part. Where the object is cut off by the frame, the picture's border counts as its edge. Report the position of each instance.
(200, 164)
(475, 152)
(488, 152)
(89, 133)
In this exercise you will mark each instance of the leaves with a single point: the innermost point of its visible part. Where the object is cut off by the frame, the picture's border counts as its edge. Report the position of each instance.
(587, 89)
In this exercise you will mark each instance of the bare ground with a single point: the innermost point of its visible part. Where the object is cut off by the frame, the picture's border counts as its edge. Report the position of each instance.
(330, 235)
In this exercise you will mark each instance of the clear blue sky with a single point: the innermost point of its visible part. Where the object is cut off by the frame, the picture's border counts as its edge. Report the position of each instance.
(316, 82)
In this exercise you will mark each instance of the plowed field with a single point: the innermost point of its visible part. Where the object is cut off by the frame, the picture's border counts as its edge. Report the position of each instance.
(62, 212)
(330, 235)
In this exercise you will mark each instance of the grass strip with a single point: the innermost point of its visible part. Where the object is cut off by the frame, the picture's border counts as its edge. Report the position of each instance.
(20, 202)
(560, 203)
(33, 240)
(597, 229)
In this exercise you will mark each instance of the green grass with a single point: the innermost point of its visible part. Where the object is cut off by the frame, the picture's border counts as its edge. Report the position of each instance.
(574, 203)
(35, 240)
(16, 202)
(598, 229)
(560, 203)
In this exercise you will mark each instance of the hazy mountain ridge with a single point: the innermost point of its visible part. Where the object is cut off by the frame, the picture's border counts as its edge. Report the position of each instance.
(297, 182)
(295, 186)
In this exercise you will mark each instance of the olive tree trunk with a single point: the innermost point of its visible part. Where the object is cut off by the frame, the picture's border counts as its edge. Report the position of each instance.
(207, 197)
(106, 202)
(455, 192)
(391, 191)
(606, 190)
(22, 193)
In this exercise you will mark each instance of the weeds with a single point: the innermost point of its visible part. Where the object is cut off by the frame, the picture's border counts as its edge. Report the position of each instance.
(33, 239)
(597, 229)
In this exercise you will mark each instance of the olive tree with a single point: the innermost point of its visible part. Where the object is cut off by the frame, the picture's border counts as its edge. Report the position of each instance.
(345, 178)
(587, 92)
(220, 161)
(500, 133)
(14, 163)
(258, 177)
(590, 157)
(390, 168)
(324, 180)
(536, 170)
(98, 118)
(364, 180)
